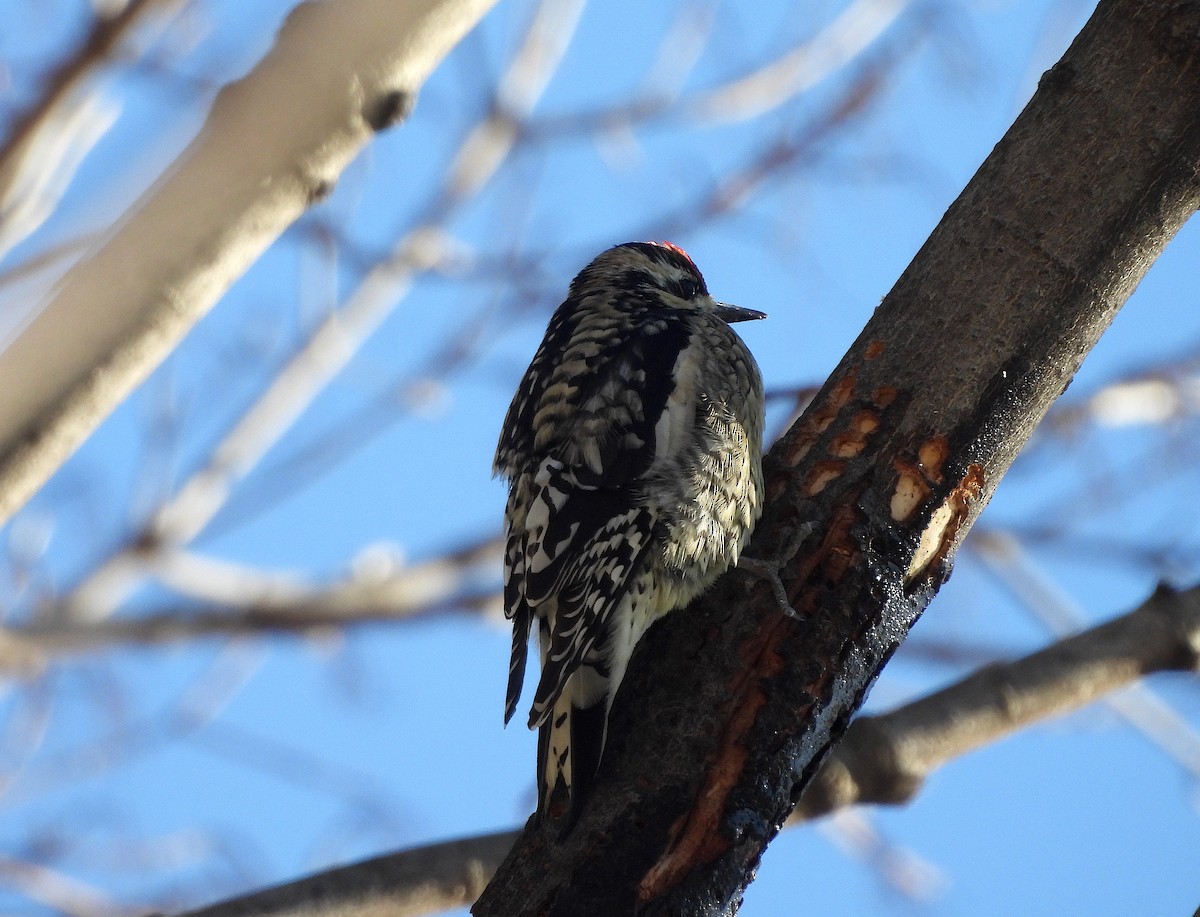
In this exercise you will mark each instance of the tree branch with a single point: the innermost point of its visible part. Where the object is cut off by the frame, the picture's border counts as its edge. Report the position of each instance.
(882, 759)
(250, 604)
(421, 881)
(59, 121)
(887, 758)
(727, 711)
(255, 166)
(93, 51)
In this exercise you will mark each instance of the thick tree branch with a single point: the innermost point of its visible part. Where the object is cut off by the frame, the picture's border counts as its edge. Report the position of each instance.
(887, 758)
(882, 759)
(728, 710)
(274, 143)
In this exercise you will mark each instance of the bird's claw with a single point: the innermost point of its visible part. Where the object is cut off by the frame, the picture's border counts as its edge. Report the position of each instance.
(769, 570)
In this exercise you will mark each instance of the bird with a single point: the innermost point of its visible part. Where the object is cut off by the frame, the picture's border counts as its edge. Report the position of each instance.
(632, 452)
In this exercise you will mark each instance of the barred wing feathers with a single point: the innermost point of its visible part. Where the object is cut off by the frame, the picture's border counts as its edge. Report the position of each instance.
(577, 441)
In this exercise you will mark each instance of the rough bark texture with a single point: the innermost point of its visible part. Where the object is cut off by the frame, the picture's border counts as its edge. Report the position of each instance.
(881, 759)
(887, 758)
(729, 708)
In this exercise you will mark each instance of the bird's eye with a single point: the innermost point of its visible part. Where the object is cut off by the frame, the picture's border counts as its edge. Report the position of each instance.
(688, 289)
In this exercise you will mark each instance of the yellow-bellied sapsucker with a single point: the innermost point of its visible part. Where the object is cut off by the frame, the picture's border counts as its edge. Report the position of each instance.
(633, 454)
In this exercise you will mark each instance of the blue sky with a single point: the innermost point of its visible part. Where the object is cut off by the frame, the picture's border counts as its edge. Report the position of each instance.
(325, 750)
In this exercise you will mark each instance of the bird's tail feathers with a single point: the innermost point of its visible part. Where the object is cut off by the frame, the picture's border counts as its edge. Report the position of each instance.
(570, 745)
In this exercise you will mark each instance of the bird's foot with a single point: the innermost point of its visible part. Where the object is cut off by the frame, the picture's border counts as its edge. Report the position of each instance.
(768, 570)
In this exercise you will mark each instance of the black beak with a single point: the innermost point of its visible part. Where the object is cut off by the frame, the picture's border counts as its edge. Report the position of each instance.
(732, 314)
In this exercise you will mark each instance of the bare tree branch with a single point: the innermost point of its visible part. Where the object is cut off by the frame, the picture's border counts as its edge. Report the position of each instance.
(256, 165)
(94, 50)
(887, 758)
(61, 123)
(462, 580)
(53, 889)
(854, 30)
(422, 881)
(1003, 555)
(882, 759)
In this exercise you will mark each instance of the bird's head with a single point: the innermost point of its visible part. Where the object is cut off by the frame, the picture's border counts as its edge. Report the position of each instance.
(660, 270)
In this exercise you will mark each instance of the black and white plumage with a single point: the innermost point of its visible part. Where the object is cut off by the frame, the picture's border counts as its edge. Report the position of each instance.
(632, 451)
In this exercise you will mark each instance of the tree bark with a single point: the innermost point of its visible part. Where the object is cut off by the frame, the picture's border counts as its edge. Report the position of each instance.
(727, 710)
(882, 759)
